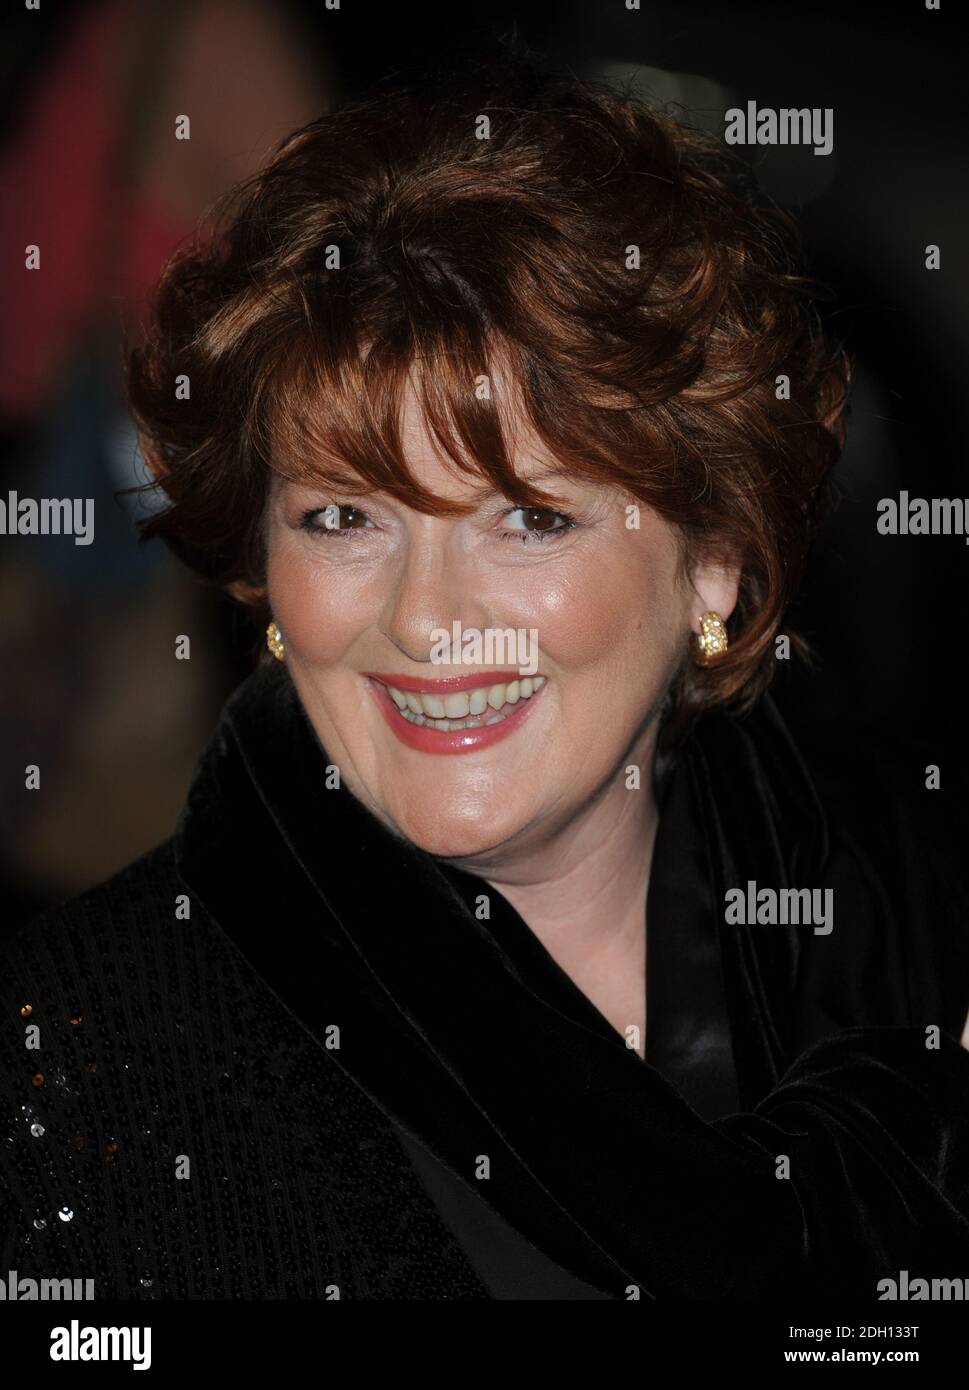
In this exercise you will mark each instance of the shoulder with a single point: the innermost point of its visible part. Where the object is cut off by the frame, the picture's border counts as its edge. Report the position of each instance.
(896, 827)
(890, 796)
(126, 904)
(113, 932)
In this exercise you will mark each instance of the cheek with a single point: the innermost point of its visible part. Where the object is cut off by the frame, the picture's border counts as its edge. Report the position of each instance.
(617, 613)
(609, 612)
(321, 611)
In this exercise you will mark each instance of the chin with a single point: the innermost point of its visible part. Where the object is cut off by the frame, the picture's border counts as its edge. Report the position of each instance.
(453, 835)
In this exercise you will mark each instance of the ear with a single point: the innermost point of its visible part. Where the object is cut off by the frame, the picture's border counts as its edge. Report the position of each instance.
(714, 586)
(246, 593)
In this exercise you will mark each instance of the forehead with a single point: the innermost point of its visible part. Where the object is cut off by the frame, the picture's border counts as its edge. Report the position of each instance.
(441, 431)
(431, 467)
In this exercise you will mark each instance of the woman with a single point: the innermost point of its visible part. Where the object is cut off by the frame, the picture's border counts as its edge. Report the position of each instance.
(507, 947)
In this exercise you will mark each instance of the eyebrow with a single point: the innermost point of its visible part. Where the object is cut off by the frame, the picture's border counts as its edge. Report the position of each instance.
(484, 492)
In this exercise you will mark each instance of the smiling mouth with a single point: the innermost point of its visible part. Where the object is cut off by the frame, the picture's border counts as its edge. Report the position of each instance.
(465, 709)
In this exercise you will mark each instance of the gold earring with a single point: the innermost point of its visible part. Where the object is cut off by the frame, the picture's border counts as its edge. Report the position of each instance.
(274, 641)
(711, 641)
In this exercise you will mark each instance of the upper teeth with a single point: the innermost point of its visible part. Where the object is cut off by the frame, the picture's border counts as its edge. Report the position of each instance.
(462, 703)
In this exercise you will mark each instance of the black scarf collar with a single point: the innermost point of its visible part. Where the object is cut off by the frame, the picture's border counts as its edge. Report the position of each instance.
(468, 1035)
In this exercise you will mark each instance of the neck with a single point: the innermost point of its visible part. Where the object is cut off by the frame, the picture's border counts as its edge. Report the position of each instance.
(582, 891)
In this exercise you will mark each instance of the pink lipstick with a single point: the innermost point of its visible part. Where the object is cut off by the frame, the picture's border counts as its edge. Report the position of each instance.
(425, 737)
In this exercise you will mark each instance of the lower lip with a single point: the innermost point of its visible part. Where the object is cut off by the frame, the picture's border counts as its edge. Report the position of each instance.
(427, 740)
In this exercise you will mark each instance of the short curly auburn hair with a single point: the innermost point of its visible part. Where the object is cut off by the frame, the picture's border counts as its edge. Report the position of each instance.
(647, 302)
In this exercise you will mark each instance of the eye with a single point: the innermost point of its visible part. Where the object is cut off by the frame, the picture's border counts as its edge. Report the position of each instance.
(536, 525)
(338, 519)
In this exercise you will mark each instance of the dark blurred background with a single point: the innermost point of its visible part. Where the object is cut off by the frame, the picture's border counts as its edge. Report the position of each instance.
(90, 688)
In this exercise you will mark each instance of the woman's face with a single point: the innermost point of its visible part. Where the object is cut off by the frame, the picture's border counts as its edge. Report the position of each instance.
(599, 612)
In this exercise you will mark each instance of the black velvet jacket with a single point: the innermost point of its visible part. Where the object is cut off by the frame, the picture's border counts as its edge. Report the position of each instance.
(281, 1056)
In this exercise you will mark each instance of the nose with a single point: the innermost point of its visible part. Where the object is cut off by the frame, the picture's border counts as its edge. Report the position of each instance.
(432, 586)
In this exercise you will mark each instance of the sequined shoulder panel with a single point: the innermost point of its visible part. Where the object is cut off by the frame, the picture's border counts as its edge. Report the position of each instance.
(171, 1131)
